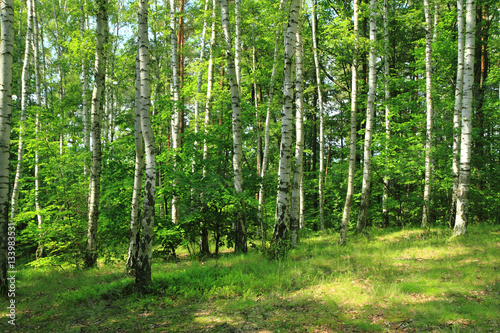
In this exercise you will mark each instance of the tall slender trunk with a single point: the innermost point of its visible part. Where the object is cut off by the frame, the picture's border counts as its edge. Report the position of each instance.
(85, 85)
(284, 186)
(61, 76)
(237, 42)
(385, 196)
(210, 75)
(462, 216)
(298, 173)
(370, 112)
(458, 109)
(95, 120)
(6, 51)
(176, 116)
(135, 215)
(428, 99)
(36, 58)
(239, 227)
(265, 155)
(321, 121)
(346, 215)
(24, 101)
(204, 247)
(144, 256)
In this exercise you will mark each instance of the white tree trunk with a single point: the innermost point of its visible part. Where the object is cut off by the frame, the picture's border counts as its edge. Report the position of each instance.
(299, 138)
(36, 58)
(144, 256)
(346, 215)
(6, 51)
(210, 75)
(176, 116)
(237, 42)
(385, 197)
(95, 120)
(138, 172)
(85, 85)
(24, 101)
(428, 100)
(458, 109)
(321, 121)
(370, 112)
(265, 154)
(240, 223)
(462, 217)
(284, 185)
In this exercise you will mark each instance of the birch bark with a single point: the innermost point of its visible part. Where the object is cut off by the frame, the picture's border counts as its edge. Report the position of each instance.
(24, 101)
(299, 138)
(346, 215)
(144, 256)
(176, 116)
(321, 121)
(458, 109)
(239, 227)
(370, 112)
(284, 185)
(6, 52)
(428, 99)
(138, 172)
(96, 112)
(462, 216)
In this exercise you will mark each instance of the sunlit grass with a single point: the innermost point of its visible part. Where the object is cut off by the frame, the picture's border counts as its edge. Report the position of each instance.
(388, 281)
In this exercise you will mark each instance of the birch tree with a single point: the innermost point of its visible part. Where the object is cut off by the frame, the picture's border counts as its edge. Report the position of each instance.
(138, 172)
(346, 215)
(239, 228)
(95, 120)
(428, 102)
(265, 154)
(385, 197)
(176, 115)
(457, 109)
(85, 84)
(298, 173)
(6, 52)
(321, 120)
(144, 256)
(24, 100)
(284, 185)
(462, 215)
(370, 112)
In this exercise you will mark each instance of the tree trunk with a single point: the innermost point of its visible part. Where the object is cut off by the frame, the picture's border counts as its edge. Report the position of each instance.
(462, 216)
(36, 58)
(143, 264)
(138, 173)
(321, 121)
(428, 99)
(24, 101)
(85, 84)
(370, 112)
(265, 155)
(239, 229)
(6, 51)
(96, 111)
(385, 197)
(298, 173)
(458, 109)
(176, 116)
(284, 186)
(204, 248)
(346, 215)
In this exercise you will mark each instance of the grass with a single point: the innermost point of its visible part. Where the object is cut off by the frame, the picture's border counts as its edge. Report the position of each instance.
(407, 280)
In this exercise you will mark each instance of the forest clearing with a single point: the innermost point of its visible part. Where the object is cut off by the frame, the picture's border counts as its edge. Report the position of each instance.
(391, 281)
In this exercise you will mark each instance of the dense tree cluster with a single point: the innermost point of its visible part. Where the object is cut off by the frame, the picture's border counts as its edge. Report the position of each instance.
(136, 127)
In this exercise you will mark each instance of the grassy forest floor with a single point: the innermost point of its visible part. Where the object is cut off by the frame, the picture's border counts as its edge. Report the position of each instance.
(407, 280)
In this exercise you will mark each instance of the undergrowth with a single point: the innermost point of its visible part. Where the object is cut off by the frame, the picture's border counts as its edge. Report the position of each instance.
(390, 280)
